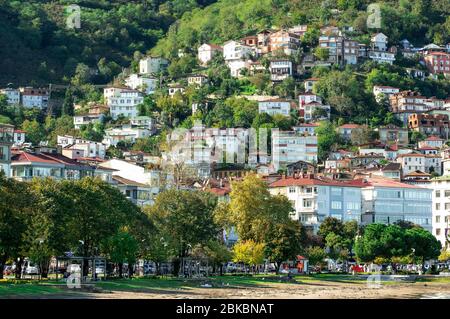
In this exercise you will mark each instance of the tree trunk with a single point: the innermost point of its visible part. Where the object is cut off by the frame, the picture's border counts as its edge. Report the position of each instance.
(277, 267)
(18, 271)
(130, 271)
(120, 270)
(2, 266)
(158, 268)
(221, 269)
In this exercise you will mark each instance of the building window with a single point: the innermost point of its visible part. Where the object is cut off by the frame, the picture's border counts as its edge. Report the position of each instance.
(291, 189)
(438, 231)
(447, 193)
(438, 206)
(447, 206)
(336, 205)
(438, 219)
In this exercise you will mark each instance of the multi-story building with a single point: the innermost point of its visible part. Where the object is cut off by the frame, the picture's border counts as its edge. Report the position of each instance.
(382, 56)
(290, 146)
(143, 121)
(310, 111)
(438, 63)
(123, 101)
(152, 65)
(299, 30)
(88, 149)
(405, 103)
(432, 141)
(346, 130)
(6, 141)
(277, 106)
(19, 137)
(426, 163)
(340, 49)
(280, 69)
(301, 190)
(207, 51)
(31, 97)
(430, 124)
(392, 134)
(379, 42)
(390, 201)
(440, 187)
(340, 199)
(144, 83)
(284, 41)
(234, 50)
(45, 163)
(382, 91)
(12, 95)
(126, 133)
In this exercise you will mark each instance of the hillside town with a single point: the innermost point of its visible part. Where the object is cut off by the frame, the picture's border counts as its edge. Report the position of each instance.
(378, 174)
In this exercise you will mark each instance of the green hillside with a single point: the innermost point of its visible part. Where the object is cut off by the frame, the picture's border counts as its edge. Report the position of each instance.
(421, 21)
(36, 46)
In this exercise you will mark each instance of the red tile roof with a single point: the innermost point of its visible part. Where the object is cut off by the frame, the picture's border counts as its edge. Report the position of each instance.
(350, 126)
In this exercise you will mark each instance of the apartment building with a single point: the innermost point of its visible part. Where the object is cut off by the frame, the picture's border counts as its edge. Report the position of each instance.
(12, 95)
(152, 65)
(425, 163)
(438, 63)
(440, 187)
(291, 146)
(34, 97)
(6, 141)
(391, 134)
(405, 103)
(341, 50)
(430, 124)
(123, 101)
(383, 91)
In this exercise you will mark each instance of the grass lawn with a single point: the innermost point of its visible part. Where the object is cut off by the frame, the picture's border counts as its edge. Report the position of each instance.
(169, 285)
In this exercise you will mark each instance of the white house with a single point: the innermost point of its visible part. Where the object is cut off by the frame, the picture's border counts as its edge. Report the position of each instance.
(12, 96)
(276, 106)
(32, 97)
(89, 149)
(419, 162)
(382, 56)
(197, 79)
(207, 51)
(234, 50)
(174, 88)
(85, 119)
(125, 133)
(379, 42)
(381, 91)
(280, 69)
(432, 141)
(145, 83)
(291, 146)
(18, 137)
(143, 121)
(152, 65)
(309, 84)
(123, 101)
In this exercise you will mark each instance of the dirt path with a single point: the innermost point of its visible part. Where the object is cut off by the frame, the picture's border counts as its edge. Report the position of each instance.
(319, 290)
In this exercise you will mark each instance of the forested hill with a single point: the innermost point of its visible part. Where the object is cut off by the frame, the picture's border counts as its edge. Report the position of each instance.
(36, 46)
(420, 21)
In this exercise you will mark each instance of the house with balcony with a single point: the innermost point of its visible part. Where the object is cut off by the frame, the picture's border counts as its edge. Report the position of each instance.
(280, 69)
(277, 106)
(123, 101)
(301, 190)
(26, 165)
(152, 65)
